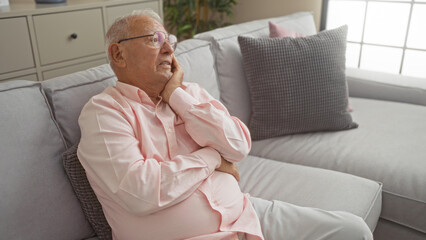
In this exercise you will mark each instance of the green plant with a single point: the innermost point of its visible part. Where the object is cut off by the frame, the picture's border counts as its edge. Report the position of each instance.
(186, 18)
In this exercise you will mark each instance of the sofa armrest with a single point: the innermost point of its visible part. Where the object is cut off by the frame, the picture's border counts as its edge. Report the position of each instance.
(385, 86)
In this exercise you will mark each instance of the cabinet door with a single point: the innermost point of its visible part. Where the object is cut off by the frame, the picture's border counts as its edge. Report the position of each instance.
(15, 46)
(118, 11)
(69, 35)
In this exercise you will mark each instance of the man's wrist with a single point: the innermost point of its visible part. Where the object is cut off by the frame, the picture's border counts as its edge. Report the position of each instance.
(168, 93)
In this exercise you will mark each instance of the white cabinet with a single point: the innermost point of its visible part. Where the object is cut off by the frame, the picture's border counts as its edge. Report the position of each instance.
(41, 41)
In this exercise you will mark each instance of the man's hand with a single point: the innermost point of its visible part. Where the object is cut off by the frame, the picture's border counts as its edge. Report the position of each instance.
(228, 167)
(174, 82)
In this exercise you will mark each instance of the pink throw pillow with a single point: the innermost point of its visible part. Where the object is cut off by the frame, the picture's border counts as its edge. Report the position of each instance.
(276, 31)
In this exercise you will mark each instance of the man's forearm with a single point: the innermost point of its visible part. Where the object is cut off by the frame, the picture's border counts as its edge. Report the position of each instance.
(210, 124)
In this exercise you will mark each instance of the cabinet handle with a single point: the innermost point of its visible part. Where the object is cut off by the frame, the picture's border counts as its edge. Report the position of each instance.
(74, 36)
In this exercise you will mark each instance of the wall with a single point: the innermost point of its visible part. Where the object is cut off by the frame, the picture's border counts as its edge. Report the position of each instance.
(248, 10)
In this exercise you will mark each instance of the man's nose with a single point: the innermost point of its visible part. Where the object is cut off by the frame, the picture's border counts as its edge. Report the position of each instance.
(167, 48)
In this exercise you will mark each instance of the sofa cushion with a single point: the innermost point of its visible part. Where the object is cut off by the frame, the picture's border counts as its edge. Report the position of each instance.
(297, 84)
(234, 92)
(386, 86)
(311, 187)
(68, 94)
(388, 147)
(37, 200)
(197, 62)
(89, 202)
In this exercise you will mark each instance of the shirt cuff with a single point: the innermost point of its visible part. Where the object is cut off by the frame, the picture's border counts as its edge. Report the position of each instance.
(181, 101)
(211, 157)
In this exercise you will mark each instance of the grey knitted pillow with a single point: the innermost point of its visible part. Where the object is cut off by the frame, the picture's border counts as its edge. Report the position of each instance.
(89, 202)
(297, 85)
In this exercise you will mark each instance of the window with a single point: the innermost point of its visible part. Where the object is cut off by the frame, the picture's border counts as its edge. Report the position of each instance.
(384, 35)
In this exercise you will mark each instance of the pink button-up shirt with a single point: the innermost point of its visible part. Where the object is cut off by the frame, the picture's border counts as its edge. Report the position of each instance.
(152, 167)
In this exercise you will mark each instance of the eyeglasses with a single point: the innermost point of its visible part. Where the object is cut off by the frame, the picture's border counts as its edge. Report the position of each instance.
(158, 39)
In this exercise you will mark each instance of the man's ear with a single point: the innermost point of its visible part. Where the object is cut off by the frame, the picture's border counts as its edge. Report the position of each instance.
(116, 55)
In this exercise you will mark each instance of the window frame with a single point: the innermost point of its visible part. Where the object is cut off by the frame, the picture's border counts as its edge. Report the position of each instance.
(323, 24)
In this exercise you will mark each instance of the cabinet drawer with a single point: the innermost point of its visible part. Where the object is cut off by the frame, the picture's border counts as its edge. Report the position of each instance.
(15, 46)
(72, 69)
(54, 35)
(118, 11)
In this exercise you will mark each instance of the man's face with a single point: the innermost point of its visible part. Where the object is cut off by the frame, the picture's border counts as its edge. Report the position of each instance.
(147, 66)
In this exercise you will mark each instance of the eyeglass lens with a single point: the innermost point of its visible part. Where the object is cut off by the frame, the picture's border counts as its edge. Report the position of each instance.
(159, 39)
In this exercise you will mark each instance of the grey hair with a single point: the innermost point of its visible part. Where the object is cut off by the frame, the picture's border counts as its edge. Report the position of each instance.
(120, 29)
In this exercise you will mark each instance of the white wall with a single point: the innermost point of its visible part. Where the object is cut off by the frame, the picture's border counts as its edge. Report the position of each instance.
(247, 10)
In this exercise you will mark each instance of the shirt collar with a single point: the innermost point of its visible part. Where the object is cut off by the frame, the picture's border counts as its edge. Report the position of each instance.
(134, 93)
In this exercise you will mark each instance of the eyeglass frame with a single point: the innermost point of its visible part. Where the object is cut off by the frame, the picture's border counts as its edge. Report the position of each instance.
(151, 35)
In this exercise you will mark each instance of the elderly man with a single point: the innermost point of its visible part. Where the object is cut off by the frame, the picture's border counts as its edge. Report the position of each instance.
(160, 154)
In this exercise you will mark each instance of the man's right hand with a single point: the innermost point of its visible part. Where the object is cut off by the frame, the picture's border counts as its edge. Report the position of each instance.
(228, 167)
(174, 82)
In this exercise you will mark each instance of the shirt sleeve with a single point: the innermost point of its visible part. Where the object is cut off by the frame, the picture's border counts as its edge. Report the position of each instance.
(111, 156)
(209, 123)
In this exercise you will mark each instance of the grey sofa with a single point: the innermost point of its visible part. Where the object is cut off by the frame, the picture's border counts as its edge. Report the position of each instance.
(388, 147)
(333, 171)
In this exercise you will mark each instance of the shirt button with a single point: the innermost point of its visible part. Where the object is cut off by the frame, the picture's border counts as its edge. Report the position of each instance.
(170, 130)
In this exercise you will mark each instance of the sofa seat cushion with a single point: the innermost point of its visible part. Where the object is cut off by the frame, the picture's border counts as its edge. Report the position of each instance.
(389, 147)
(36, 198)
(68, 94)
(311, 187)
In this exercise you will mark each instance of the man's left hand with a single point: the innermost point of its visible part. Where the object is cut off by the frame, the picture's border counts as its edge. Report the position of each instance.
(229, 167)
(174, 82)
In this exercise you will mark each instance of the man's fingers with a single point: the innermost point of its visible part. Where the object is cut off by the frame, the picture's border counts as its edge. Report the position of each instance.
(237, 176)
(175, 63)
(230, 168)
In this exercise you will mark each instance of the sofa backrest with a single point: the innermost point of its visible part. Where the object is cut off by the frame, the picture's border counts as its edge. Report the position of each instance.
(68, 94)
(386, 86)
(234, 91)
(36, 198)
(197, 62)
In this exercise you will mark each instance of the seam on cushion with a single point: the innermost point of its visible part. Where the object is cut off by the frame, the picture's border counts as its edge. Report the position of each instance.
(236, 35)
(85, 83)
(218, 82)
(376, 83)
(17, 87)
(53, 117)
(52, 91)
(403, 224)
(303, 14)
(192, 49)
(398, 195)
(372, 203)
(216, 71)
